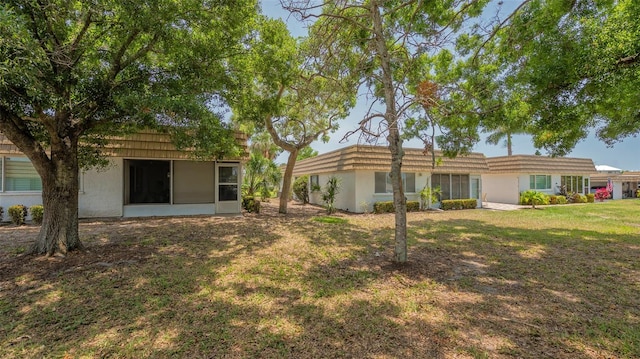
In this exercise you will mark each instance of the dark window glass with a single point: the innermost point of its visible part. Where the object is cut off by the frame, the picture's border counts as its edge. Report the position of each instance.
(227, 192)
(228, 174)
(149, 181)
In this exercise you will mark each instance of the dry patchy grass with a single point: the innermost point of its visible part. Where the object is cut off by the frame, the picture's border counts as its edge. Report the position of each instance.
(561, 282)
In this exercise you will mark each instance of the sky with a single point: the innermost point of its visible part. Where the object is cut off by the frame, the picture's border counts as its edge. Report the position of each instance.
(624, 155)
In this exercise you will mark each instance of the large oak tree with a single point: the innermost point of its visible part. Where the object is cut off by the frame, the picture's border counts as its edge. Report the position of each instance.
(74, 71)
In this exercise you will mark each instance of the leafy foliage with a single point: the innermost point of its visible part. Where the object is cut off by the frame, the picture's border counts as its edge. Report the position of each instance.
(582, 62)
(261, 176)
(18, 214)
(306, 152)
(331, 190)
(250, 204)
(430, 195)
(602, 194)
(301, 188)
(533, 198)
(37, 212)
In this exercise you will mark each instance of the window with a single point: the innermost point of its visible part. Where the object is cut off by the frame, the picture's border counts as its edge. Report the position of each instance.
(20, 175)
(149, 181)
(383, 182)
(228, 182)
(540, 182)
(315, 182)
(571, 184)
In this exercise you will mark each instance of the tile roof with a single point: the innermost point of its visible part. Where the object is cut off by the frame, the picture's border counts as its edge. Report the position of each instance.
(628, 176)
(143, 144)
(540, 164)
(378, 158)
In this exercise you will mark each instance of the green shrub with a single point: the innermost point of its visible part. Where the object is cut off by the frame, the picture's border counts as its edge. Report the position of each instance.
(576, 198)
(553, 199)
(561, 200)
(637, 195)
(430, 195)
(413, 206)
(449, 204)
(383, 207)
(388, 207)
(250, 204)
(331, 190)
(37, 212)
(301, 188)
(18, 213)
(534, 198)
(591, 197)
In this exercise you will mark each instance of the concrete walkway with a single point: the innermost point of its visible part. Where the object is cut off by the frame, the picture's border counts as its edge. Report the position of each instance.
(501, 206)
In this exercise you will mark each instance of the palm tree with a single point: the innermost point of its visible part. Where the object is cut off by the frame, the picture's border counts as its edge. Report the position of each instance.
(261, 176)
(262, 143)
(506, 133)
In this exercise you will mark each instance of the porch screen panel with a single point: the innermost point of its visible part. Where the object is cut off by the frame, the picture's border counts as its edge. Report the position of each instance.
(445, 185)
(455, 187)
(464, 187)
(435, 182)
(148, 181)
(193, 182)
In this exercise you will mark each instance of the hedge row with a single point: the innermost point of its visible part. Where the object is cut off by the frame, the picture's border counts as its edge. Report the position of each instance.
(449, 204)
(388, 207)
(18, 213)
(560, 199)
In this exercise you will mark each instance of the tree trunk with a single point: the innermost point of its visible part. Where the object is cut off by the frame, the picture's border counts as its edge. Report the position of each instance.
(59, 231)
(286, 181)
(509, 152)
(395, 142)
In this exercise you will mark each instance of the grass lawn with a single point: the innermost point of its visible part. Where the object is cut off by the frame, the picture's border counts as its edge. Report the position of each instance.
(558, 282)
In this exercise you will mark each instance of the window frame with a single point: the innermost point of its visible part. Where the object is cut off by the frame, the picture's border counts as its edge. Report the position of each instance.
(533, 182)
(389, 186)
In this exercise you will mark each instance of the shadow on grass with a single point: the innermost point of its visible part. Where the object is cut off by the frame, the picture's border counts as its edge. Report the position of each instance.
(552, 292)
(287, 286)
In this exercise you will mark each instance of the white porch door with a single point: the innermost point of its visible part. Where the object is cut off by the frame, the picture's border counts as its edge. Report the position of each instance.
(228, 188)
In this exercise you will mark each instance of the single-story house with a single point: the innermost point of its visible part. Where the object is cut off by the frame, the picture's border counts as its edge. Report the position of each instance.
(146, 176)
(624, 184)
(363, 172)
(508, 176)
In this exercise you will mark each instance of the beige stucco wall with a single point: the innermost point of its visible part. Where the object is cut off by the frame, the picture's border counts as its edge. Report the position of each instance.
(502, 188)
(357, 190)
(346, 198)
(101, 191)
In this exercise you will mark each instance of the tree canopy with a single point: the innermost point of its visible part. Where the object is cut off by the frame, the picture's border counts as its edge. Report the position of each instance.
(576, 64)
